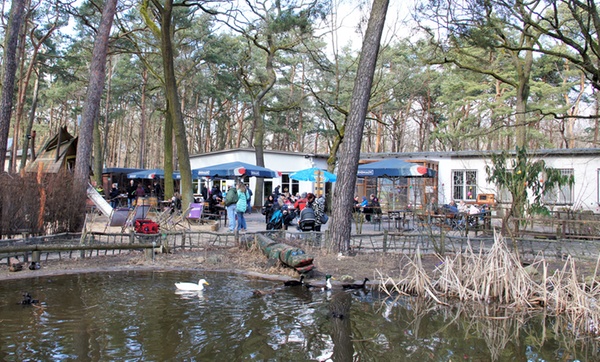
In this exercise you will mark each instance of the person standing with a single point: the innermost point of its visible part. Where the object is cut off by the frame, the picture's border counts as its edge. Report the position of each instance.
(157, 189)
(269, 208)
(131, 193)
(249, 205)
(114, 196)
(139, 191)
(231, 198)
(241, 205)
(318, 206)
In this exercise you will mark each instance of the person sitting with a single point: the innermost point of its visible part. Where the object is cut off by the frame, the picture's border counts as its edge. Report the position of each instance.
(432, 206)
(300, 204)
(372, 208)
(451, 208)
(176, 203)
(364, 202)
(214, 203)
(356, 207)
(462, 207)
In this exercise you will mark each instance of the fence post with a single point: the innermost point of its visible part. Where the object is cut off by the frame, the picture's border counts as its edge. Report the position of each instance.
(385, 237)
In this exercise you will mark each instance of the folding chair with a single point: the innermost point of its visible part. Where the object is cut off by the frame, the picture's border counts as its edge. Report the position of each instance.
(195, 212)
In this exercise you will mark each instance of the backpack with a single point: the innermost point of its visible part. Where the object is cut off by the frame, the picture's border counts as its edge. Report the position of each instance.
(276, 221)
(231, 198)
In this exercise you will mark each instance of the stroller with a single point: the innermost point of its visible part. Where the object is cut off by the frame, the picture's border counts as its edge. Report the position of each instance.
(307, 219)
(276, 221)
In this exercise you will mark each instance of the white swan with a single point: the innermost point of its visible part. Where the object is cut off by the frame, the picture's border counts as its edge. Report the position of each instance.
(192, 286)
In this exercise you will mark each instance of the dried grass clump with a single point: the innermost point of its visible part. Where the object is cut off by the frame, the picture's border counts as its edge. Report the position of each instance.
(497, 276)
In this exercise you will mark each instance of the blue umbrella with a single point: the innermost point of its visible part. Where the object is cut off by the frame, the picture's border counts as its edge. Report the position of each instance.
(312, 174)
(234, 169)
(393, 167)
(150, 174)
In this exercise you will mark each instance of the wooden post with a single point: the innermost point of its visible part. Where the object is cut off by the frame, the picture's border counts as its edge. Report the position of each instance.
(385, 237)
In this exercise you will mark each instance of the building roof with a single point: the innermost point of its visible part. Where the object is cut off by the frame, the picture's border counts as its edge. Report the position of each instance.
(52, 156)
(480, 154)
(252, 150)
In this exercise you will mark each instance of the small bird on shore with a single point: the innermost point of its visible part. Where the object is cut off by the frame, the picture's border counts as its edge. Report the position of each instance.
(356, 286)
(294, 283)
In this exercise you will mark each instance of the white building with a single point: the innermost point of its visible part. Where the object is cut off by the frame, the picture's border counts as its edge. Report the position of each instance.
(284, 163)
(462, 175)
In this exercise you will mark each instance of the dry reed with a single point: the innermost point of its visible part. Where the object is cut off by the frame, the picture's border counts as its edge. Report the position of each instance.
(498, 277)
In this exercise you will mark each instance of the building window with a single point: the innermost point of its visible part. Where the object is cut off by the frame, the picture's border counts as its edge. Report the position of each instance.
(292, 186)
(464, 185)
(562, 195)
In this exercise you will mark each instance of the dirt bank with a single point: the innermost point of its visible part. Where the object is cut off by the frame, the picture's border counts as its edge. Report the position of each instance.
(234, 259)
(251, 262)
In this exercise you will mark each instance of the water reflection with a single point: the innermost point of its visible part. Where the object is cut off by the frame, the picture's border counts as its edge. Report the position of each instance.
(141, 316)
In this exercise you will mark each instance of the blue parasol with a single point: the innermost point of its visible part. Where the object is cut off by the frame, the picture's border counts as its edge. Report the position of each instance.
(234, 169)
(393, 167)
(150, 174)
(313, 174)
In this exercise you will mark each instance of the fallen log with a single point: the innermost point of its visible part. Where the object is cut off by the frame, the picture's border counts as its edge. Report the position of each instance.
(288, 255)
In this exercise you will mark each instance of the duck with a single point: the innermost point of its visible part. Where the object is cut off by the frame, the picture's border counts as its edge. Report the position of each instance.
(294, 283)
(356, 286)
(327, 285)
(28, 299)
(192, 286)
(262, 293)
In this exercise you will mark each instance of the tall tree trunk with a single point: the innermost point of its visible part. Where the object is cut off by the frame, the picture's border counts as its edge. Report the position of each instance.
(9, 70)
(349, 152)
(168, 155)
(174, 107)
(94, 94)
(28, 134)
(143, 118)
(97, 149)
(104, 150)
(24, 84)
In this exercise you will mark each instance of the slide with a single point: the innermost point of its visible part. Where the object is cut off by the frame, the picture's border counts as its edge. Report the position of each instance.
(99, 201)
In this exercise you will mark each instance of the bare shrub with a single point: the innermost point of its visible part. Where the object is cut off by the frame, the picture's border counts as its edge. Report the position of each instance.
(44, 207)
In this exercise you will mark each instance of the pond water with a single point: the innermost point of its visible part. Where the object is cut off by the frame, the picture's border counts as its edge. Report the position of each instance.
(135, 316)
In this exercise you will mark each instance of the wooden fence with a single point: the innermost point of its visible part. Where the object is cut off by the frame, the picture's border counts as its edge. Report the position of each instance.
(427, 241)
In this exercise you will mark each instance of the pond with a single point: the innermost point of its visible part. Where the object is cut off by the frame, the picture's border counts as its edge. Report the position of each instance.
(134, 316)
